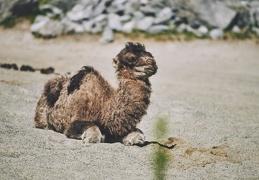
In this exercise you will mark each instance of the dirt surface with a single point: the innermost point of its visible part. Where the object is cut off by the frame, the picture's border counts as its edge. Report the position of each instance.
(206, 91)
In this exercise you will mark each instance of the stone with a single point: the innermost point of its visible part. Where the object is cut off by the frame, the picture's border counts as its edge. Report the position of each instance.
(107, 36)
(77, 28)
(242, 18)
(216, 34)
(101, 19)
(99, 9)
(145, 23)
(87, 25)
(65, 5)
(130, 7)
(117, 6)
(128, 27)
(158, 29)
(164, 15)
(114, 22)
(125, 18)
(46, 27)
(236, 29)
(256, 30)
(80, 13)
(51, 11)
(182, 28)
(96, 28)
(254, 13)
(137, 15)
(213, 13)
(203, 30)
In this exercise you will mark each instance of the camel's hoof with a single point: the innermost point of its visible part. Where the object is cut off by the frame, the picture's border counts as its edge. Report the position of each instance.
(92, 135)
(134, 138)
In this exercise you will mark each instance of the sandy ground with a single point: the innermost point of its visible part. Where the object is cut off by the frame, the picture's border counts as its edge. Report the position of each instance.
(207, 91)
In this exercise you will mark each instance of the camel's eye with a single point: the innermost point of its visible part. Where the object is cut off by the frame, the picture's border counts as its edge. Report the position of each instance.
(132, 60)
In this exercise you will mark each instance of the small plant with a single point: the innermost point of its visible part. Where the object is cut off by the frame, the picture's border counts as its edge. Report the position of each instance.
(9, 22)
(161, 156)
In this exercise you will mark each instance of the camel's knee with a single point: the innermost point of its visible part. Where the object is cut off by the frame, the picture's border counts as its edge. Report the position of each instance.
(134, 138)
(40, 124)
(92, 135)
(87, 131)
(39, 121)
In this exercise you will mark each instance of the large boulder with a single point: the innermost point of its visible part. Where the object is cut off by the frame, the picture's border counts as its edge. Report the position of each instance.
(10, 8)
(254, 12)
(214, 13)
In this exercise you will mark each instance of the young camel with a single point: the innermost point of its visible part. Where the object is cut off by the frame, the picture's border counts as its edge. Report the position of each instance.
(87, 107)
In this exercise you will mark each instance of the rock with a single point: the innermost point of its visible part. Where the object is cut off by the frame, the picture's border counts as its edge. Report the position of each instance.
(129, 26)
(125, 18)
(213, 13)
(39, 22)
(65, 5)
(132, 6)
(87, 25)
(107, 36)
(117, 7)
(158, 29)
(80, 13)
(99, 9)
(71, 27)
(102, 19)
(182, 28)
(256, 30)
(46, 27)
(137, 15)
(114, 22)
(216, 34)
(148, 10)
(254, 13)
(9, 8)
(242, 18)
(51, 11)
(202, 31)
(145, 23)
(97, 28)
(164, 15)
(236, 29)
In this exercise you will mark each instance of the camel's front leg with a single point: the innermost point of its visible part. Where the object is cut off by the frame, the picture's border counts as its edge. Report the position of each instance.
(134, 138)
(92, 135)
(87, 131)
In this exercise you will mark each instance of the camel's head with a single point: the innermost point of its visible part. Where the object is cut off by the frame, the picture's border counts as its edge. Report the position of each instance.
(135, 58)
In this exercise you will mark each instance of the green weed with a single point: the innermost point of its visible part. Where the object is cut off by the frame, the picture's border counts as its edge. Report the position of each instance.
(161, 157)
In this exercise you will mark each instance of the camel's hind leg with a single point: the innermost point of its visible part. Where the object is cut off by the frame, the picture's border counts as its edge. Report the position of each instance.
(40, 119)
(87, 131)
(47, 100)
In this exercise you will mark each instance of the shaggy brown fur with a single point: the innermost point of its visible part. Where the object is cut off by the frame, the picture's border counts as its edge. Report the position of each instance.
(86, 106)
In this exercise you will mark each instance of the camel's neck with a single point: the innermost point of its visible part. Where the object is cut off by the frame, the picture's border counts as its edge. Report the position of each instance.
(127, 106)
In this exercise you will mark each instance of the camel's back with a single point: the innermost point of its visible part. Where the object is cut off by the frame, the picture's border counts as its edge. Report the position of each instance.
(87, 92)
(90, 81)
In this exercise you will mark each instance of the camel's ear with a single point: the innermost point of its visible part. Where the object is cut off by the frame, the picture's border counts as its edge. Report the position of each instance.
(116, 62)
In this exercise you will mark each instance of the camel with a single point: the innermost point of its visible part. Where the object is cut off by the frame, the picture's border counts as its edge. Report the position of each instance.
(87, 107)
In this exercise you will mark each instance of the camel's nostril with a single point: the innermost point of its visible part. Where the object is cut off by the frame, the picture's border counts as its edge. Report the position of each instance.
(150, 61)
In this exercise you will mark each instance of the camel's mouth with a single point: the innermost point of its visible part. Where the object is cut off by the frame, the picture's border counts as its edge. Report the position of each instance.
(145, 71)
